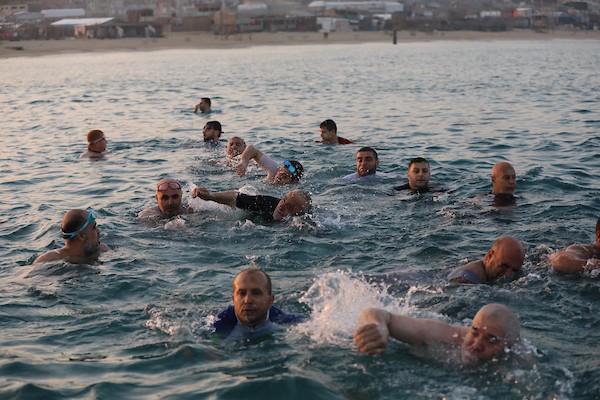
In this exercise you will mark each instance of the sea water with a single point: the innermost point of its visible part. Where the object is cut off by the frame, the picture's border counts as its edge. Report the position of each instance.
(136, 324)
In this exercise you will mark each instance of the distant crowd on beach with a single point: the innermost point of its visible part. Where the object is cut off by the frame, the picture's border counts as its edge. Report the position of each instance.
(495, 330)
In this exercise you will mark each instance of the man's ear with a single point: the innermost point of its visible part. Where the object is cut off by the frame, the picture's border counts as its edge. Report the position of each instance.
(488, 255)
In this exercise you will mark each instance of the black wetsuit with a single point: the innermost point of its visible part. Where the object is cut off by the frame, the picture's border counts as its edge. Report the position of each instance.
(264, 206)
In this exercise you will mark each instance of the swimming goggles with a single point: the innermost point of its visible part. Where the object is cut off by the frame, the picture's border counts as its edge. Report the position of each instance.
(91, 218)
(99, 139)
(168, 185)
(289, 166)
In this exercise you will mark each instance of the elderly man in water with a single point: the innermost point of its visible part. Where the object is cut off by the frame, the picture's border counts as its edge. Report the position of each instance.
(169, 197)
(82, 236)
(235, 147)
(296, 202)
(505, 258)
(494, 332)
(96, 144)
(504, 183)
(576, 258)
(252, 313)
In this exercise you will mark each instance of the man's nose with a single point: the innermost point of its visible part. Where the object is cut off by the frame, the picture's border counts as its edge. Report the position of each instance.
(478, 344)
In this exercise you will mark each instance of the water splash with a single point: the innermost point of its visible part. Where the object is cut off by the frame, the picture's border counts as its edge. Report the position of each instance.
(336, 300)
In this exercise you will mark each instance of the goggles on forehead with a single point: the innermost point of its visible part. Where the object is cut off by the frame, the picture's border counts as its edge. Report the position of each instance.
(168, 185)
(99, 139)
(91, 218)
(289, 166)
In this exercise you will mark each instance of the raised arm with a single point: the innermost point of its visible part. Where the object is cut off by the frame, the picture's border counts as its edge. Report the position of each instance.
(375, 326)
(227, 198)
(249, 153)
(573, 259)
(196, 107)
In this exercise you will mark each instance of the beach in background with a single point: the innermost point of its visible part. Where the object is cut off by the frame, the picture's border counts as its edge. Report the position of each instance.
(204, 40)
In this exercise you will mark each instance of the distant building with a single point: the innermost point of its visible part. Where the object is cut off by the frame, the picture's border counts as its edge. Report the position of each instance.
(374, 7)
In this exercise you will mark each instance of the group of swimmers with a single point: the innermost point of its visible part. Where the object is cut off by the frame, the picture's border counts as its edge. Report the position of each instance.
(495, 328)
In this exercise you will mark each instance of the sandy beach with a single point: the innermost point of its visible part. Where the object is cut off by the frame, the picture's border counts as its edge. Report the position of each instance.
(201, 40)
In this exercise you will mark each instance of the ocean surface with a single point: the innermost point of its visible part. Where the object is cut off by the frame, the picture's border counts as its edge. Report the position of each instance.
(136, 324)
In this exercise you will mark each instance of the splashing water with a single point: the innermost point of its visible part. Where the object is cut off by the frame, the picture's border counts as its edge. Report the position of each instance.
(336, 300)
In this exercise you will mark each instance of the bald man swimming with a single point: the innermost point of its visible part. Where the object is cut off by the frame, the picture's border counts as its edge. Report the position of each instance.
(82, 236)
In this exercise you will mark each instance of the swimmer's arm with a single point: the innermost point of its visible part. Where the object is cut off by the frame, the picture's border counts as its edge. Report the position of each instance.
(196, 107)
(227, 198)
(375, 326)
(104, 247)
(572, 260)
(250, 153)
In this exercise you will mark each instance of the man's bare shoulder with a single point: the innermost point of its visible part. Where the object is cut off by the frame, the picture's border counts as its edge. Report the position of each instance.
(52, 255)
(583, 250)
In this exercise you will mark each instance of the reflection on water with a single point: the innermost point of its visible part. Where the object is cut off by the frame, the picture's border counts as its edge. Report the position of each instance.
(135, 324)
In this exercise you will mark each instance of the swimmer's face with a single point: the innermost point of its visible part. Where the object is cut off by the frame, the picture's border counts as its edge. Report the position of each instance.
(251, 298)
(291, 204)
(169, 201)
(484, 340)
(283, 176)
(418, 175)
(328, 136)
(366, 163)
(98, 145)
(210, 134)
(91, 235)
(204, 107)
(235, 147)
(502, 260)
(504, 179)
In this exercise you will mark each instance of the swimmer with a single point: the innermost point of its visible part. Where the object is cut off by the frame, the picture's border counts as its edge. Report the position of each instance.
(418, 178)
(504, 183)
(211, 133)
(203, 106)
(367, 162)
(505, 258)
(252, 313)
(296, 202)
(578, 257)
(235, 147)
(329, 133)
(169, 198)
(96, 144)
(82, 236)
(285, 173)
(494, 331)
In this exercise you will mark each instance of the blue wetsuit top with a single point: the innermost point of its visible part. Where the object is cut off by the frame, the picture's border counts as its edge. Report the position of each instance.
(464, 274)
(227, 321)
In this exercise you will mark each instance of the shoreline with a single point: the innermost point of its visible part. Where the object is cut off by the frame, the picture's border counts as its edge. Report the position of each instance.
(207, 40)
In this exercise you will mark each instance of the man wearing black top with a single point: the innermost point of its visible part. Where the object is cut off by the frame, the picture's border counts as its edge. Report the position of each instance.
(296, 202)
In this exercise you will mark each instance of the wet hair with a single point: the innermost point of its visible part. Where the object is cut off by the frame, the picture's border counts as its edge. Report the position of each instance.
(254, 270)
(216, 125)
(206, 100)
(329, 125)
(417, 160)
(299, 170)
(369, 149)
